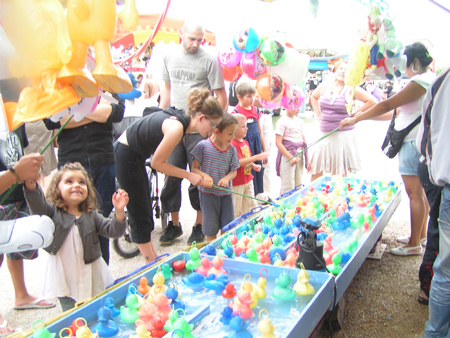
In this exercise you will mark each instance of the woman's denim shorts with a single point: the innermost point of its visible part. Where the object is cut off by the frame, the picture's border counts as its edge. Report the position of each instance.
(408, 159)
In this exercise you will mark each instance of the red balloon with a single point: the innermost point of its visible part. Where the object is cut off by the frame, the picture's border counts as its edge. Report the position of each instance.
(231, 74)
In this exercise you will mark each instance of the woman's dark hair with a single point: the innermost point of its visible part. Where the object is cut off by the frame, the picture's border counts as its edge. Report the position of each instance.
(227, 120)
(417, 51)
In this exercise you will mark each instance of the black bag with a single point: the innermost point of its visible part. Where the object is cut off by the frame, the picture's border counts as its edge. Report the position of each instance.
(394, 138)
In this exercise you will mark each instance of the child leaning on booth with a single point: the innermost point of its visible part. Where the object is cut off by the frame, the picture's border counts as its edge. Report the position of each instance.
(243, 182)
(246, 92)
(290, 140)
(75, 269)
(216, 161)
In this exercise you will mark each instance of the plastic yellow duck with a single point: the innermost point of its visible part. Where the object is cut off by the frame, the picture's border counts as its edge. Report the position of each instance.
(158, 280)
(302, 286)
(265, 326)
(85, 332)
(279, 261)
(141, 331)
(247, 286)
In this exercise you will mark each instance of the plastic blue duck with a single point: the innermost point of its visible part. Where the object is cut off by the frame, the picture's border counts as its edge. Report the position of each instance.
(240, 327)
(106, 327)
(194, 280)
(227, 315)
(176, 304)
(109, 303)
(210, 250)
(216, 284)
(282, 291)
(229, 252)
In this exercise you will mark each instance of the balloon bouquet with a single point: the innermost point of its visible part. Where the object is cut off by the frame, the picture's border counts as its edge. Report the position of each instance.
(276, 68)
(49, 45)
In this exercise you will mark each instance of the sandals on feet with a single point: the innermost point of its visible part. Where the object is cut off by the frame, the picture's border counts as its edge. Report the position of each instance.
(4, 325)
(423, 301)
(406, 251)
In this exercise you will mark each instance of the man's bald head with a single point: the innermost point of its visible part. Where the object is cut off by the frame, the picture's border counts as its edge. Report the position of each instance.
(192, 36)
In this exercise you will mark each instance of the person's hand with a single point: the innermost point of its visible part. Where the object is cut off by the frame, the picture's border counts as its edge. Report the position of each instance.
(30, 184)
(293, 161)
(105, 101)
(349, 121)
(207, 181)
(120, 199)
(356, 113)
(29, 166)
(195, 179)
(264, 156)
(308, 166)
(224, 182)
(256, 167)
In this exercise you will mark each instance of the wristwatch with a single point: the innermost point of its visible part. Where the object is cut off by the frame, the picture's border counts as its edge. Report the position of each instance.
(15, 174)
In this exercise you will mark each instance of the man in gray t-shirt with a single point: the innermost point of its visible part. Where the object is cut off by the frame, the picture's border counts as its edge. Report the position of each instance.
(185, 67)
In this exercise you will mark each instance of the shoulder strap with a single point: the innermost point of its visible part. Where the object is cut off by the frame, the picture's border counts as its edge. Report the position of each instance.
(425, 146)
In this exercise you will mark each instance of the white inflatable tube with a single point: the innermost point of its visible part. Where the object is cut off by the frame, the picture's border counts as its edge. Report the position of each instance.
(27, 233)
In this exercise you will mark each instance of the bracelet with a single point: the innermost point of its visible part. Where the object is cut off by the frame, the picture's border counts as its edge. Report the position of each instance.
(15, 174)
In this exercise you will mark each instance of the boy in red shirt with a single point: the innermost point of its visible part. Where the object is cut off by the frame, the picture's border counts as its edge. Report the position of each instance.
(243, 182)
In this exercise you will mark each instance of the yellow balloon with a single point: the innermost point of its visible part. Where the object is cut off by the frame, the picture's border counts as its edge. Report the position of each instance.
(357, 63)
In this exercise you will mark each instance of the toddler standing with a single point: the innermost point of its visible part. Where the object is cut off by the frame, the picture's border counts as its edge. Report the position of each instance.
(290, 140)
(243, 182)
(216, 161)
(75, 269)
(245, 92)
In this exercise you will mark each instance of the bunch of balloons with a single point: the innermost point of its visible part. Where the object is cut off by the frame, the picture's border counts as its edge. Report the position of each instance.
(276, 68)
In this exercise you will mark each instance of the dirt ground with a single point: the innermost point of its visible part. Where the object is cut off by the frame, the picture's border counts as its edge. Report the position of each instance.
(381, 301)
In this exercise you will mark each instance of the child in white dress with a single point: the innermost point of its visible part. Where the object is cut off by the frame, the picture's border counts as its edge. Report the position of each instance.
(75, 269)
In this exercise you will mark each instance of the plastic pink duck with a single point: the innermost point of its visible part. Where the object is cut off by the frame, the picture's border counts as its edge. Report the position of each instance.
(290, 260)
(264, 257)
(217, 263)
(267, 243)
(205, 267)
(243, 309)
(327, 244)
(162, 304)
(146, 312)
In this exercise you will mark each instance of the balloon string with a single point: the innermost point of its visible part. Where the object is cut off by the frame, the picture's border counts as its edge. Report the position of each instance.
(41, 152)
(313, 143)
(238, 193)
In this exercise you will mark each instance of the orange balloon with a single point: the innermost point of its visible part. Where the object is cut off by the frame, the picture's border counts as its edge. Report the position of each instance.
(231, 74)
(270, 87)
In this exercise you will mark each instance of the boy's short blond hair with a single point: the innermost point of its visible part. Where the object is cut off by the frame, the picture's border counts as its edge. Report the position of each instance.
(245, 88)
(239, 117)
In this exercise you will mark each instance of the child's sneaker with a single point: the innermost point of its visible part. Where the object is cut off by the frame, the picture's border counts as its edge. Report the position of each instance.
(197, 235)
(171, 233)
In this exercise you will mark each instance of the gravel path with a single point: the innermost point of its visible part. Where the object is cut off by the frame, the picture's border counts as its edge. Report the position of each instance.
(381, 301)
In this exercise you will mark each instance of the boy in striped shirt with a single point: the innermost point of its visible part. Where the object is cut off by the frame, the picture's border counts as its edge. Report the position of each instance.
(216, 160)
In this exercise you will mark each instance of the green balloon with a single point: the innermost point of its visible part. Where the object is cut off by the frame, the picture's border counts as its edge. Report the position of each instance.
(272, 52)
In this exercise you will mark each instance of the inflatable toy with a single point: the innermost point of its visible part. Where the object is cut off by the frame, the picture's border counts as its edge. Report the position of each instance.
(293, 97)
(294, 68)
(246, 40)
(270, 104)
(392, 45)
(42, 46)
(231, 74)
(355, 69)
(93, 23)
(229, 56)
(395, 66)
(252, 65)
(269, 87)
(133, 94)
(105, 327)
(272, 52)
(129, 15)
(41, 332)
(28, 233)
(265, 326)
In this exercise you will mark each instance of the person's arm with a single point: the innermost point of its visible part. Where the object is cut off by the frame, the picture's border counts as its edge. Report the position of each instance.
(173, 132)
(248, 160)
(284, 151)
(368, 99)
(263, 143)
(165, 96)
(222, 97)
(207, 180)
(27, 168)
(315, 100)
(225, 181)
(411, 92)
(120, 200)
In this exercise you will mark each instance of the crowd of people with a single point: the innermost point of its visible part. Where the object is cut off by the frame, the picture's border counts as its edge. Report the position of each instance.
(226, 152)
